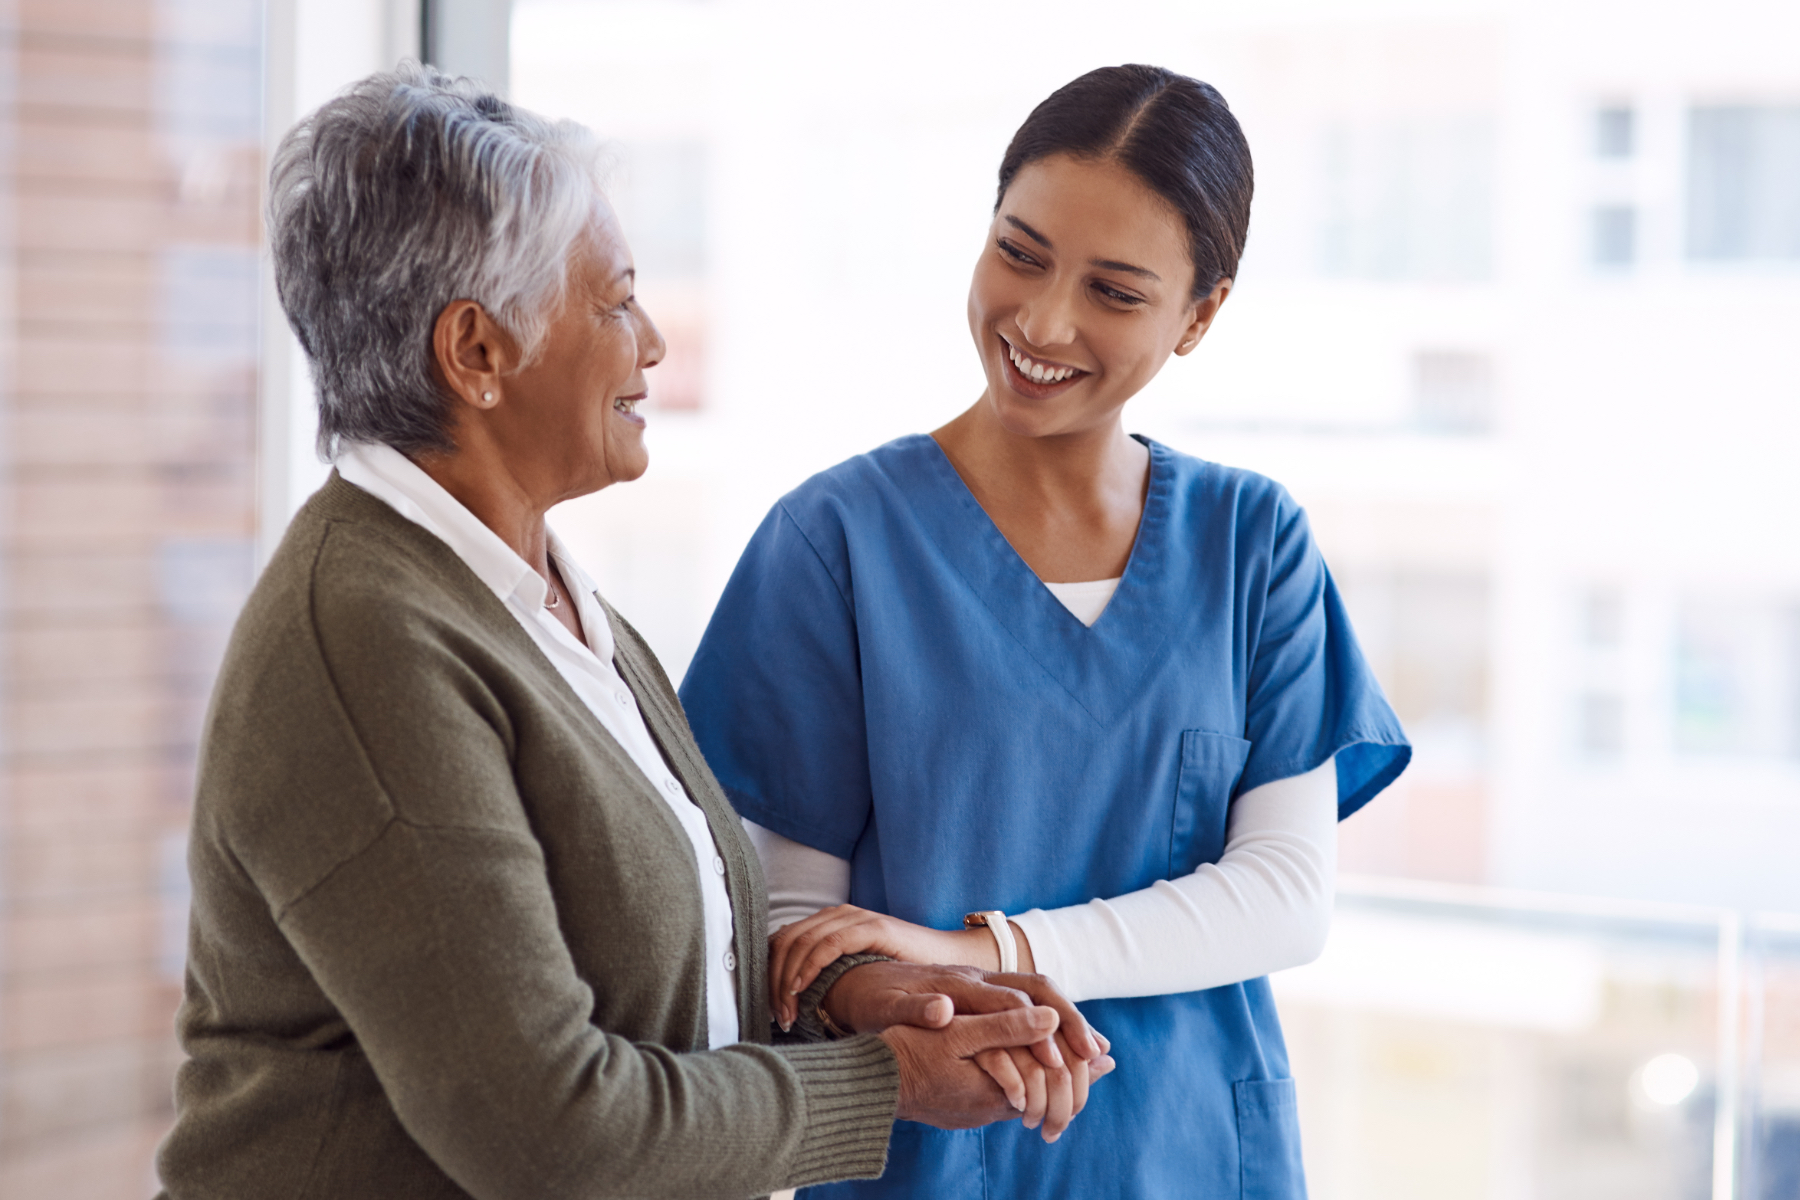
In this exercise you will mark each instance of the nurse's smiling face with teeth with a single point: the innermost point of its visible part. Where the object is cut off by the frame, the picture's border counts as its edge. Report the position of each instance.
(1083, 291)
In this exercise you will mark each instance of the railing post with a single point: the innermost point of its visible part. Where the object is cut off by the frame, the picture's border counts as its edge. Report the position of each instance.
(1730, 1054)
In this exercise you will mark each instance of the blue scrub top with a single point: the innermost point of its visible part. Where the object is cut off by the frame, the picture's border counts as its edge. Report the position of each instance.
(887, 681)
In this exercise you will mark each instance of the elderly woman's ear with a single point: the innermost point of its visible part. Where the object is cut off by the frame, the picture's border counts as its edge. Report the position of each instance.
(471, 352)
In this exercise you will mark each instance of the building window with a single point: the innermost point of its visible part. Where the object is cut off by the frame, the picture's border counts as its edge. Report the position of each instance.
(1408, 200)
(1601, 724)
(1453, 392)
(1737, 678)
(1743, 184)
(1615, 132)
(1598, 693)
(1427, 634)
(1709, 694)
(1615, 235)
(1603, 618)
(1790, 661)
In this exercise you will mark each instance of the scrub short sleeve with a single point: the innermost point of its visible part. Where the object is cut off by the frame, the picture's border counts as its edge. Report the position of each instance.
(1311, 695)
(774, 694)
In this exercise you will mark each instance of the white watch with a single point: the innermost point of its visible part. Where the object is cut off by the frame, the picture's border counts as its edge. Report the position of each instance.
(1001, 928)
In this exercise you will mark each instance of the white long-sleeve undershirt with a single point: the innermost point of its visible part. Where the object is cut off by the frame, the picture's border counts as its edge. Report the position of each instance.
(1264, 906)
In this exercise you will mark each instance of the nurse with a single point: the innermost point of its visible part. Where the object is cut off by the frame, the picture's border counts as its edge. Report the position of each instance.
(1032, 693)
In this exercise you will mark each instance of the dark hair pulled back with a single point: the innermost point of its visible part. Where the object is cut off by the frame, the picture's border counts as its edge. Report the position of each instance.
(1174, 133)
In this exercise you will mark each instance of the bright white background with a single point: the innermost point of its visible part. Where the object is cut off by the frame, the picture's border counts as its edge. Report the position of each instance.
(1638, 453)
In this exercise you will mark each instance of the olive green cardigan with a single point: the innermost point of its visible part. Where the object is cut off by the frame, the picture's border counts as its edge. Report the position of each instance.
(446, 938)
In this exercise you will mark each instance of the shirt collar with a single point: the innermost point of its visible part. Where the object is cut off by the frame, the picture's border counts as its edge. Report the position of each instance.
(396, 480)
(594, 622)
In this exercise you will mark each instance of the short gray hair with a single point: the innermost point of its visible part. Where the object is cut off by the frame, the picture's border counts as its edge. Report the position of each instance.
(410, 190)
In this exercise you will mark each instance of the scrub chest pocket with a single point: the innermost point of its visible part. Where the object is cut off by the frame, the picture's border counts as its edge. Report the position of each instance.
(1211, 764)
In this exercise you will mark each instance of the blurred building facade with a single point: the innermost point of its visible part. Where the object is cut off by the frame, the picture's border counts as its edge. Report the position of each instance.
(144, 451)
(128, 346)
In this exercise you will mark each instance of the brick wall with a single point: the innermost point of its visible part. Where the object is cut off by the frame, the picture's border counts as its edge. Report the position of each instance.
(128, 188)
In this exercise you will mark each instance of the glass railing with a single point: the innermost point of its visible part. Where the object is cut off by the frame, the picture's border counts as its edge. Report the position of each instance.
(1471, 1042)
(1771, 1113)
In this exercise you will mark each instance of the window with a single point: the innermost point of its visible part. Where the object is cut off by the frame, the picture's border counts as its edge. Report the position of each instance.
(1603, 618)
(1615, 132)
(1426, 633)
(1790, 660)
(1599, 684)
(1601, 728)
(1743, 185)
(1615, 235)
(1453, 392)
(1737, 678)
(1408, 200)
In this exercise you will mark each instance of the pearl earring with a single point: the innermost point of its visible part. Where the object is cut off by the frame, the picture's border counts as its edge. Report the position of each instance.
(487, 397)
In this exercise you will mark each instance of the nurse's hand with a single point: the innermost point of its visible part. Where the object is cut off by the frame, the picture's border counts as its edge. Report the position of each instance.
(798, 952)
(1046, 1098)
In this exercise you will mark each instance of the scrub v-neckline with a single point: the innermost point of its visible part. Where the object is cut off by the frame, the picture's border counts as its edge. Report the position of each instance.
(1101, 666)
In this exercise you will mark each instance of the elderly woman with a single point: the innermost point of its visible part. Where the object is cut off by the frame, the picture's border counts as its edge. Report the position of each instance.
(471, 917)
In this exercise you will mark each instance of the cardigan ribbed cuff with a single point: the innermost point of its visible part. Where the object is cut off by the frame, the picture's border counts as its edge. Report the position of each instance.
(852, 1089)
(806, 1016)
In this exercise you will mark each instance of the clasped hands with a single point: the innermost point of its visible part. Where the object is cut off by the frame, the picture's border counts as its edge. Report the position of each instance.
(974, 1046)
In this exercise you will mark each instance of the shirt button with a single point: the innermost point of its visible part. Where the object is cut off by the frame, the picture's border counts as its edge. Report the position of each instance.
(624, 699)
(718, 865)
(673, 788)
(730, 961)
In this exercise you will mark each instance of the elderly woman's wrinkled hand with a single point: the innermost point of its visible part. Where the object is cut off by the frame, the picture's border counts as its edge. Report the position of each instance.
(1046, 1082)
(941, 1081)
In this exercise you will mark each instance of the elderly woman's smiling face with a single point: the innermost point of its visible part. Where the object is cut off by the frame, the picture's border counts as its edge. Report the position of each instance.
(565, 424)
(574, 406)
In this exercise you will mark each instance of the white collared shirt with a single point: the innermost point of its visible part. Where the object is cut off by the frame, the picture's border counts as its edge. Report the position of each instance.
(390, 476)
